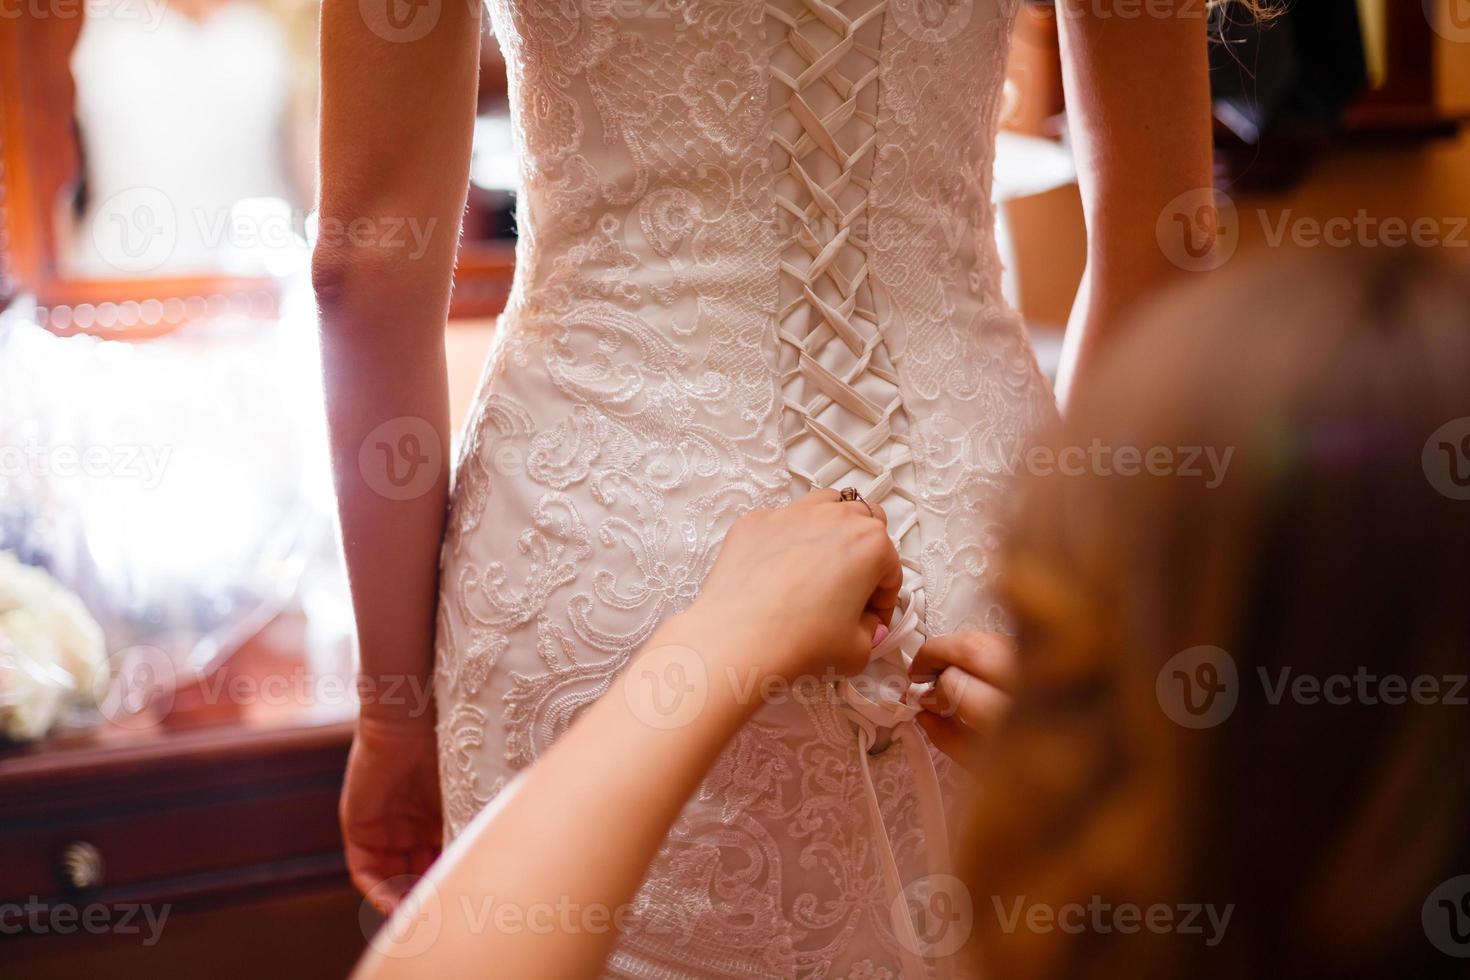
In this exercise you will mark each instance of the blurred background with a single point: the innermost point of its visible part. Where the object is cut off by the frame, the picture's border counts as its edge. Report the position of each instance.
(175, 632)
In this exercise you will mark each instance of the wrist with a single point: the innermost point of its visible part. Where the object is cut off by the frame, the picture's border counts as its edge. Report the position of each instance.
(407, 721)
(734, 664)
(731, 639)
(409, 738)
(403, 701)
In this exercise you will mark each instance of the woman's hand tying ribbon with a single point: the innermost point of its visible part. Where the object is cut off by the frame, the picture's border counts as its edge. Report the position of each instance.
(810, 584)
(973, 675)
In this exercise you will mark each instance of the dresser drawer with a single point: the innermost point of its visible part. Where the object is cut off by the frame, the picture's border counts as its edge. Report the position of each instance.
(210, 820)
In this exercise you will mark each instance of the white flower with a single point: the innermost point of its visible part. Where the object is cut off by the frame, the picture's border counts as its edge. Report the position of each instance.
(32, 684)
(51, 650)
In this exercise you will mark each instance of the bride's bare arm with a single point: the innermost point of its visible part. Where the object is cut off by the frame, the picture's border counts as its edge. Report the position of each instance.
(538, 884)
(1137, 82)
(397, 117)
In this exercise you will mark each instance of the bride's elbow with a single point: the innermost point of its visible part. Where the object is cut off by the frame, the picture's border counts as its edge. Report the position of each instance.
(340, 272)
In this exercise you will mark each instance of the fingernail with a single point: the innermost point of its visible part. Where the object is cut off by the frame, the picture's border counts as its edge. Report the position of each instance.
(880, 634)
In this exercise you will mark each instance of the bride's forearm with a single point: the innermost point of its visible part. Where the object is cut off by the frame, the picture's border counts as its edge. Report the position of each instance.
(1138, 109)
(1101, 304)
(391, 545)
(540, 882)
(397, 118)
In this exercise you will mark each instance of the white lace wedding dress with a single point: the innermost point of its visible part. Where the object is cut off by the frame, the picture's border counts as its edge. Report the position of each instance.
(756, 255)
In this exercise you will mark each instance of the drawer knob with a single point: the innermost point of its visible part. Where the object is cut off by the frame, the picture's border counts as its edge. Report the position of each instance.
(81, 865)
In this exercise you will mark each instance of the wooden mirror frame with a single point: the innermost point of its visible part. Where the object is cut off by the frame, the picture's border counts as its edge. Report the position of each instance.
(1407, 104)
(39, 160)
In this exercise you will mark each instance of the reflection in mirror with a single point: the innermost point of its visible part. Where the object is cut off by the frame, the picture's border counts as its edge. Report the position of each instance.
(159, 164)
(195, 124)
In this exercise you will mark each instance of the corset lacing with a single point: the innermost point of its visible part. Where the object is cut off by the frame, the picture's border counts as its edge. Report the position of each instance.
(844, 422)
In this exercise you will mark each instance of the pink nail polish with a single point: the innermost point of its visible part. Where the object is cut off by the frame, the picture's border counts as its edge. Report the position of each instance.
(880, 634)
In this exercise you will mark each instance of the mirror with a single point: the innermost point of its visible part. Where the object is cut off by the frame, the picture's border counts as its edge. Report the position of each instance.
(194, 128)
(159, 163)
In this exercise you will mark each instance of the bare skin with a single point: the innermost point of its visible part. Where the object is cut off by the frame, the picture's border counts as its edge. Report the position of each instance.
(397, 121)
(776, 606)
(1138, 92)
(396, 127)
(974, 676)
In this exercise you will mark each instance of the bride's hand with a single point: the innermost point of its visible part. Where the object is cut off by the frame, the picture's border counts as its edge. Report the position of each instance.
(803, 588)
(390, 809)
(974, 675)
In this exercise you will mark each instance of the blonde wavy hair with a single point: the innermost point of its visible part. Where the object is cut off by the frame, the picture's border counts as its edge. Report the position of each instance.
(1260, 9)
(1331, 546)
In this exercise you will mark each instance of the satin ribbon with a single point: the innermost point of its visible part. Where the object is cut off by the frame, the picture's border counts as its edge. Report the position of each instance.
(896, 715)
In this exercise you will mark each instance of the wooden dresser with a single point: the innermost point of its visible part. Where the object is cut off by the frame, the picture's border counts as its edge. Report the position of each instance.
(206, 845)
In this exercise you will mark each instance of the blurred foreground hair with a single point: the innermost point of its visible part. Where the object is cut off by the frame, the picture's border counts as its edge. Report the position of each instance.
(1336, 545)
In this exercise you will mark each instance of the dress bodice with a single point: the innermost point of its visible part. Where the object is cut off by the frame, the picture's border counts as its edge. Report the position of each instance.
(756, 255)
(655, 137)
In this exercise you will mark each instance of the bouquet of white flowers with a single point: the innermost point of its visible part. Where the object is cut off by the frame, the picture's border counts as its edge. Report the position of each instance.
(52, 652)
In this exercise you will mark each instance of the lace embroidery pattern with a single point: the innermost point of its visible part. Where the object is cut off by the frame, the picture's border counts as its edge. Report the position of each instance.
(967, 373)
(633, 407)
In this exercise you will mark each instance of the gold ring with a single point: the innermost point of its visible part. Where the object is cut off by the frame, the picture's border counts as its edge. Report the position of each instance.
(849, 494)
